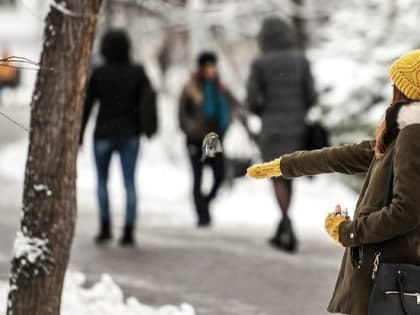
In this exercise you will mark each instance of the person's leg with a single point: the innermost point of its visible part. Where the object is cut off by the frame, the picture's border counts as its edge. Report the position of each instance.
(128, 150)
(103, 153)
(217, 165)
(284, 237)
(283, 192)
(199, 200)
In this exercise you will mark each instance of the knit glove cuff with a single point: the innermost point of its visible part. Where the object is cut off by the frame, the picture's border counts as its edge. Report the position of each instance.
(332, 225)
(265, 170)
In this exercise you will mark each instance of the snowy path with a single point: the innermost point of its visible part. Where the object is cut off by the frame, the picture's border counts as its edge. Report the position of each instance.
(218, 272)
(226, 270)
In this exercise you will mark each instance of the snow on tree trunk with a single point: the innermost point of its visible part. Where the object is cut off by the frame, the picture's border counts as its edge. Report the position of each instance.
(42, 246)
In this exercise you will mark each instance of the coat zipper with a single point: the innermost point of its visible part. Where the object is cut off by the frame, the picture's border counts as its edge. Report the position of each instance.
(417, 295)
(376, 265)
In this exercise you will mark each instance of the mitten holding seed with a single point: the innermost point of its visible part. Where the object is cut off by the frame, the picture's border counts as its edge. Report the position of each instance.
(332, 224)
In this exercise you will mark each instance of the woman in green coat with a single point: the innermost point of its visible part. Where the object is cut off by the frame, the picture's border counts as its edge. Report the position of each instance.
(394, 228)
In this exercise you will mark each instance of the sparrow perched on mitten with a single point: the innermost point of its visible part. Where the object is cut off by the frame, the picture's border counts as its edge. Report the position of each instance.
(265, 170)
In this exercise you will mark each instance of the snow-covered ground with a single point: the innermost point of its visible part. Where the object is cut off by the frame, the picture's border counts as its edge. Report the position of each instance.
(103, 298)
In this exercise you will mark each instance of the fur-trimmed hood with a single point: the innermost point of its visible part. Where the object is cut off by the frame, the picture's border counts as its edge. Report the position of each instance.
(398, 116)
(409, 115)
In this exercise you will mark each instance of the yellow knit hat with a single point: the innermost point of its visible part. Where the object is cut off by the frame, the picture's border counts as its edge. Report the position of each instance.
(405, 73)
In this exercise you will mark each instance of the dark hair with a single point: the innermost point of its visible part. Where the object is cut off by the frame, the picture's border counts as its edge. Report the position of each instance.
(388, 130)
(115, 47)
(206, 57)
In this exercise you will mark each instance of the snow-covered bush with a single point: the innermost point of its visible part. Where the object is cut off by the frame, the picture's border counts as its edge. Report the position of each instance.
(351, 51)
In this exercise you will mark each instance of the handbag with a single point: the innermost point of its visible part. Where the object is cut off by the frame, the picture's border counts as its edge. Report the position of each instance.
(316, 136)
(396, 288)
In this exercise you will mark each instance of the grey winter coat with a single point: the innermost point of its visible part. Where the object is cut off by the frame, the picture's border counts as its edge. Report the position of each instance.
(280, 90)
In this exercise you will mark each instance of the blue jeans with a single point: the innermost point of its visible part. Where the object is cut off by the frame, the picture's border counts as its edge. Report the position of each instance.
(127, 149)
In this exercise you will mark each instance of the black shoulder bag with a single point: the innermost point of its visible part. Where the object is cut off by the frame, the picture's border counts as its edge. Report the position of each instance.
(396, 290)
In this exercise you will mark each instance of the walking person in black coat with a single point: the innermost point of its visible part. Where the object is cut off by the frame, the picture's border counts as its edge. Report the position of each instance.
(281, 91)
(126, 110)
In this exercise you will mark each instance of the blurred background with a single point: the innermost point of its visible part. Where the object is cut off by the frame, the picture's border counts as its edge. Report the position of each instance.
(228, 269)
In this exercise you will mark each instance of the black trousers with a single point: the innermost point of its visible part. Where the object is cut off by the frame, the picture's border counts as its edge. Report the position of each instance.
(201, 200)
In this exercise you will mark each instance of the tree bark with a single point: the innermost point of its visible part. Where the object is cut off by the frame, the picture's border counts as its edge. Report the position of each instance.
(43, 244)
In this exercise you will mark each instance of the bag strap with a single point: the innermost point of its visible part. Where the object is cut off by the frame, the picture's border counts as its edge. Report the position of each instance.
(401, 279)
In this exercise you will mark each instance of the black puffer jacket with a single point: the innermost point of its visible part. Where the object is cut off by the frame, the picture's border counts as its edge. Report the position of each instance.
(126, 98)
(280, 90)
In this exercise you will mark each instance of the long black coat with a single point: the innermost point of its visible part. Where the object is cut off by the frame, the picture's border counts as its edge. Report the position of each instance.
(280, 90)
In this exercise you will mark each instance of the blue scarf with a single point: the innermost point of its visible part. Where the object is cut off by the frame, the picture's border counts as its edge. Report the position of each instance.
(215, 105)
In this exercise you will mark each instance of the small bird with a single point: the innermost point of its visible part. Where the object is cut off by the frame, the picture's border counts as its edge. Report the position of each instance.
(211, 146)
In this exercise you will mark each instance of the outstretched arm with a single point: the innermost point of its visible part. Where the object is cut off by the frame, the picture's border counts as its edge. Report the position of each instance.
(347, 159)
(402, 215)
(148, 120)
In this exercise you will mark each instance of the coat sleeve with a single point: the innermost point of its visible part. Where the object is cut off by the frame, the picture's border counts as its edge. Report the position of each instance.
(148, 118)
(90, 98)
(347, 159)
(255, 90)
(183, 115)
(403, 214)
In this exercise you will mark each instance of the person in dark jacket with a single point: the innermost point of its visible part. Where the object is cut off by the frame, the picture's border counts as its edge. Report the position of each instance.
(125, 95)
(205, 105)
(388, 230)
(281, 91)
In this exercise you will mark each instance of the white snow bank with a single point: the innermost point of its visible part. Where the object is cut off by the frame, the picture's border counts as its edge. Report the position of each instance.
(103, 298)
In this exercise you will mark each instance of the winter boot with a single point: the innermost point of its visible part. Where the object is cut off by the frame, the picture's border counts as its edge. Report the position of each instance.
(105, 234)
(204, 222)
(128, 238)
(285, 238)
(204, 219)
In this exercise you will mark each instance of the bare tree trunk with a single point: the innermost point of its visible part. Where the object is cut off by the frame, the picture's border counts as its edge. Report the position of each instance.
(43, 244)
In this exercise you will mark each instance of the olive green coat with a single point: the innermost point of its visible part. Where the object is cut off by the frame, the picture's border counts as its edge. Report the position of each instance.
(393, 229)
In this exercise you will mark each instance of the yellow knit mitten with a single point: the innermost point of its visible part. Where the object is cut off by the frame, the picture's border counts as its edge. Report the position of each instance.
(265, 170)
(332, 223)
